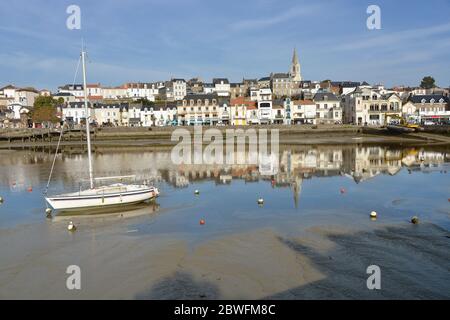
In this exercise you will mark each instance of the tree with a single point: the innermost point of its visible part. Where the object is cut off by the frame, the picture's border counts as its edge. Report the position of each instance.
(428, 83)
(145, 102)
(44, 110)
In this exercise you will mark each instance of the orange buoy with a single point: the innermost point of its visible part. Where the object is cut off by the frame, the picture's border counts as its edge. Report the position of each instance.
(30, 189)
(202, 222)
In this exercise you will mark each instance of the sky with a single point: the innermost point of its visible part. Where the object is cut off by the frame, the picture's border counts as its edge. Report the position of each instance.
(146, 41)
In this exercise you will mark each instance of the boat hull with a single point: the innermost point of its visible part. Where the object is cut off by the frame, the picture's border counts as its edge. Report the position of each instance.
(85, 202)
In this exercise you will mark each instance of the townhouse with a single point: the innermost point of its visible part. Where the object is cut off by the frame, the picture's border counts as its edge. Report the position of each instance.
(303, 112)
(278, 115)
(328, 108)
(198, 109)
(281, 84)
(238, 110)
(222, 87)
(159, 115)
(74, 89)
(175, 89)
(74, 113)
(115, 93)
(138, 90)
(368, 106)
(431, 108)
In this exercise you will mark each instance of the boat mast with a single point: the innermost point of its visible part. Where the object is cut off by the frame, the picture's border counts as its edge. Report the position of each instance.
(88, 133)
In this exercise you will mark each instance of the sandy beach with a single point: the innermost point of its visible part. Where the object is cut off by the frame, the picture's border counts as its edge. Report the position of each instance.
(318, 263)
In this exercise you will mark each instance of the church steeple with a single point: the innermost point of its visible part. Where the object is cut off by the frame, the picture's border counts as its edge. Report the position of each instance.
(295, 71)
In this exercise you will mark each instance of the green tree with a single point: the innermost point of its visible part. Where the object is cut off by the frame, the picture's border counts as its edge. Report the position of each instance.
(145, 102)
(428, 83)
(44, 110)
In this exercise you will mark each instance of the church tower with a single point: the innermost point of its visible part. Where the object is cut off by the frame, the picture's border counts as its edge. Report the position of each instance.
(295, 71)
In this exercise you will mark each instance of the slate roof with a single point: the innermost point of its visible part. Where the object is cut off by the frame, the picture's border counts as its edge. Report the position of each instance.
(436, 97)
(219, 80)
(325, 96)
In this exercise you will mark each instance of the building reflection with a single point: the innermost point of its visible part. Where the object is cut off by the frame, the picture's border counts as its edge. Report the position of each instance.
(22, 169)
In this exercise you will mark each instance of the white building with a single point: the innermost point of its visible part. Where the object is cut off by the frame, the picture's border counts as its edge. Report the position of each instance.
(222, 87)
(328, 108)
(368, 106)
(94, 91)
(74, 112)
(432, 108)
(264, 94)
(303, 112)
(178, 88)
(158, 115)
(115, 92)
(142, 90)
(110, 114)
(74, 89)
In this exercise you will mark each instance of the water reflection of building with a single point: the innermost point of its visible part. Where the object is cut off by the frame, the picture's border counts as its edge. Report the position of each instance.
(371, 161)
(22, 169)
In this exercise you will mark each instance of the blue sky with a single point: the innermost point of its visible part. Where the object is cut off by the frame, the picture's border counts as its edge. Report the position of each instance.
(155, 40)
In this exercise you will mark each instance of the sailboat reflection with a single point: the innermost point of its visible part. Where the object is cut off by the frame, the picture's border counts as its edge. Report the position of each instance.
(130, 211)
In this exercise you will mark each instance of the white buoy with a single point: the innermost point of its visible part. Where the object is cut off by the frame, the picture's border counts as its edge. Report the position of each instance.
(260, 201)
(415, 220)
(373, 214)
(1, 200)
(48, 211)
(197, 192)
(71, 226)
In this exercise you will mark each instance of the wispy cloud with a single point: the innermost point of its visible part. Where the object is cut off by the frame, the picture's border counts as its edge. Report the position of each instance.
(393, 38)
(291, 13)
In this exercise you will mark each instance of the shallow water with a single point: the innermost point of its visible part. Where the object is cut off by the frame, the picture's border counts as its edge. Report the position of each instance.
(318, 186)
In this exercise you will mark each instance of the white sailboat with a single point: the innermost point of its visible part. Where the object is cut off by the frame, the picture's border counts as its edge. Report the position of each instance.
(118, 194)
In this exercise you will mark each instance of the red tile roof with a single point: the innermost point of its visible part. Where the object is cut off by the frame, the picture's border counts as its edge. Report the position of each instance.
(300, 102)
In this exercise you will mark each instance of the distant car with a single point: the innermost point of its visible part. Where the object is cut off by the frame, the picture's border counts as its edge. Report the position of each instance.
(428, 123)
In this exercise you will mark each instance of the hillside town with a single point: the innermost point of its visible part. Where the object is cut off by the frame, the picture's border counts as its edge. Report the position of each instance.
(279, 98)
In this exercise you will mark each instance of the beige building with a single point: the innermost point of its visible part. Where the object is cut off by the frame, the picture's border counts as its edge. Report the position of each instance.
(368, 106)
(198, 109)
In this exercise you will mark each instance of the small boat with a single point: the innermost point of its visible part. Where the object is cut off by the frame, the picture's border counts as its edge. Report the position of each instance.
(118, 194)
(399, 128)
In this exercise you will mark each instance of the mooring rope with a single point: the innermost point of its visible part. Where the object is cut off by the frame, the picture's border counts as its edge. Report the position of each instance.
(54, 160)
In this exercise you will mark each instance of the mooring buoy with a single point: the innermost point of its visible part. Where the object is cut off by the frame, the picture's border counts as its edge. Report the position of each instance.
(260, 201)
(196, 192)
(373, 214)
(71, 226)
(1, 200)
(415, 220)
(202, 222)
(48, 211)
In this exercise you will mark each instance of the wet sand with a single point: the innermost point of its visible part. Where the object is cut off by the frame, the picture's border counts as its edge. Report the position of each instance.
(316, 262)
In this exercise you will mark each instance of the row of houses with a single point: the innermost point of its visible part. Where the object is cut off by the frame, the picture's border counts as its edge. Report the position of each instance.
(362, 107)
(279, 98)
(365, 105)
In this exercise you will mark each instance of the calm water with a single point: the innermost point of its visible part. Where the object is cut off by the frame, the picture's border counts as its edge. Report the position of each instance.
(397, 183)
(159, 250)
